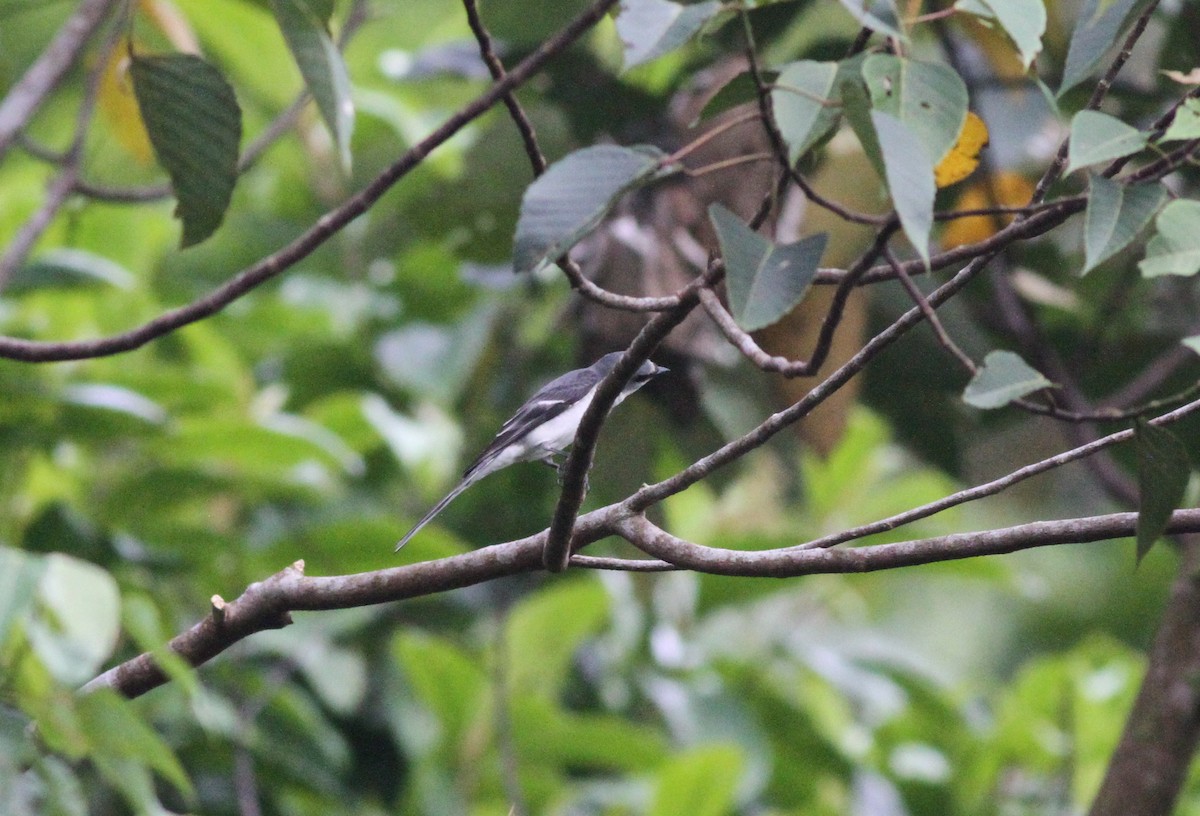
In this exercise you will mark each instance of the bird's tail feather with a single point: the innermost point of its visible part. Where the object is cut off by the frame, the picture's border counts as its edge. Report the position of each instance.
(437, 508)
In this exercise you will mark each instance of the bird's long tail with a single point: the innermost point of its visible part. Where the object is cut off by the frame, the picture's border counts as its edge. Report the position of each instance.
(437, 508)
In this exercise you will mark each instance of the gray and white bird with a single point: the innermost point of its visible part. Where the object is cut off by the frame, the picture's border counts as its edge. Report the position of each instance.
(543, 427)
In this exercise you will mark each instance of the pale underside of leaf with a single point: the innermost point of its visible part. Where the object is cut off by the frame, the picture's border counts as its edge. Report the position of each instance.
(1002, 378)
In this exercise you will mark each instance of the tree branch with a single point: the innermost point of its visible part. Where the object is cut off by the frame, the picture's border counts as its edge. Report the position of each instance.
(268, 604)
(47, 71)
(326, 226)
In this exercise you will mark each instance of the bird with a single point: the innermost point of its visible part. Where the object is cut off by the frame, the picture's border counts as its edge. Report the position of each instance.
(542, 427)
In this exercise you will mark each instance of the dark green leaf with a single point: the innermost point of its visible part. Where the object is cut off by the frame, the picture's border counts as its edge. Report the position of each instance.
(1116, 213)
(928, 98)
(764, 281)
(69, 268)
(1002, 378)
(1175, 248)
(650, 28)
(195, 126)
(573, 196)
(909, 178)
(737, 91)
(1100, 23)
(322, 67)
(1097, 137)
(1163, 470)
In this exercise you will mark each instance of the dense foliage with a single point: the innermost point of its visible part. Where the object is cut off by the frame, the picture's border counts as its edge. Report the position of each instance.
(242, 328)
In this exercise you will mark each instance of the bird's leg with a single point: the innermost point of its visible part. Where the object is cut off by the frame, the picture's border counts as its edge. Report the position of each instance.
(559, 464)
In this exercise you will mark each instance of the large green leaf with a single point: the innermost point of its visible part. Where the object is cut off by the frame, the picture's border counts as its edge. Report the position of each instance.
(1163, 469)
(764, 281)
(80, 618)
(1175, 248)
(322, 67)
(805, 104)
(1023, 20)
(195, 126)
(1116, 213)
(929, 98)
(1100, 23)
(1002, 378)
(573, 196)
(650, 28)
(909, 178)
(546, 628)
(1097, 137)
(700, 782)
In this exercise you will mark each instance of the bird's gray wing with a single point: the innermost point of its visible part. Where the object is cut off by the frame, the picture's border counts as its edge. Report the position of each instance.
(550, 400)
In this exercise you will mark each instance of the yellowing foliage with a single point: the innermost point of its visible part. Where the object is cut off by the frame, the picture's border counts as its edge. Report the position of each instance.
(1005, 189)
(119, 107)
(963, 158)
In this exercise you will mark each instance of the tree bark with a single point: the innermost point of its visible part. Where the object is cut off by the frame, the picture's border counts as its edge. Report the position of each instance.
(1150, 764)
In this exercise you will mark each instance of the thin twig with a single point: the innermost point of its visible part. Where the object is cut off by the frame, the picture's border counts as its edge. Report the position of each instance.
(27, 94)
(993, 487)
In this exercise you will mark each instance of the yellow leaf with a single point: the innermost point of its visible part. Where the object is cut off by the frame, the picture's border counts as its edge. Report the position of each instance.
(1005, 189)
(119, 107)
(963, 158)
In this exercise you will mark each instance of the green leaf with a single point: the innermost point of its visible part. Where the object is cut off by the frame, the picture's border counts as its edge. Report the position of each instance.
(1098, 137)
(1023, 20)
(928, 98)
(65, 268)
(20, 574)
(764, 281)
(322, 67)
(1002, 378)
(870, 15)
(1116, 213)
(1175, 248)
(544, 630)
(909, 178)
(573, 196)
(195, 125)
(1186, 124)
(1163, 469)
(804, 104)
(737, 91)
(80, 619)
(1100, 22)
(448, 681)
(856, 106)
(650, 28)
(700, 782)
(116, 731)
(546, 734)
